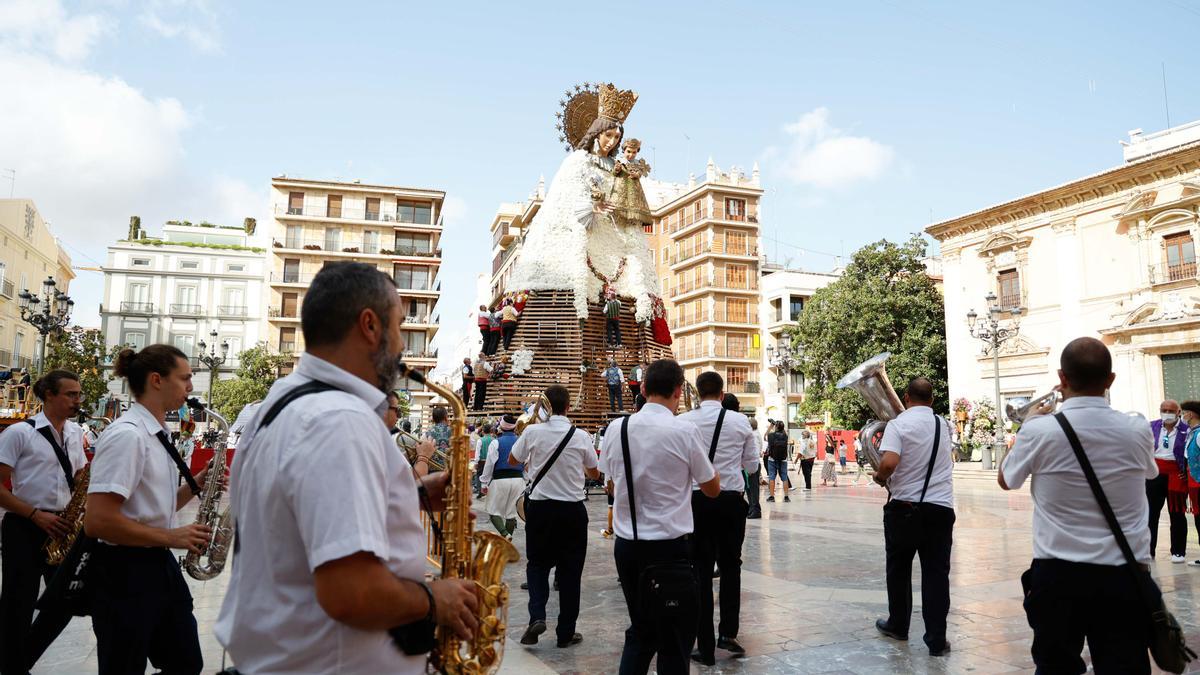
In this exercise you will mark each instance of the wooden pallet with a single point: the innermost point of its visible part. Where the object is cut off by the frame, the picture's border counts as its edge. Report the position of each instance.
(560, 343)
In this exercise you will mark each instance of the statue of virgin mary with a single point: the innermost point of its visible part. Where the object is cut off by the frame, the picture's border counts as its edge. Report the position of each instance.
(574, 243)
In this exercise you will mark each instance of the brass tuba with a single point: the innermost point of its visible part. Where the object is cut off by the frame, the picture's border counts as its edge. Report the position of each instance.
(870, 379)
(210, 512)
(467, 554)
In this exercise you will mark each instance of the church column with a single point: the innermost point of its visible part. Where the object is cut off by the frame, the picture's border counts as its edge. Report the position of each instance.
(1068, 260)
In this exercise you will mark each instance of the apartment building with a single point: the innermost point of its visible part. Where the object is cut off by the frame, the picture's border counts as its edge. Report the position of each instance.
(179, 287)
(30, 254)
(706, 242)
(785, 294)
(508, 233)
(397, 229)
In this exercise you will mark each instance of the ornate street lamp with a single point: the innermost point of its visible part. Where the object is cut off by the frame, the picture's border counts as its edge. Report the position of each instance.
(48, 313)
(784, 358)
(993, 333)
(211, 360)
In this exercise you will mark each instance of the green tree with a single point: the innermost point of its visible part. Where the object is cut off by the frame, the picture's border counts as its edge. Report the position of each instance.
(78, 350)
(257, 369)
(884, 301)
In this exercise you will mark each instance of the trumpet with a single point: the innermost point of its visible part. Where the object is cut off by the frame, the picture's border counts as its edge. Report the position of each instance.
(1018, 415)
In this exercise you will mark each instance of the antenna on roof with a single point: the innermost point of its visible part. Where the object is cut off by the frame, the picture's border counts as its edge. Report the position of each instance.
(1166, 105)
(11, 175)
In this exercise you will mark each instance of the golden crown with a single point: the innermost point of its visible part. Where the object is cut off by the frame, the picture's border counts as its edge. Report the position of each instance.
(616, 104)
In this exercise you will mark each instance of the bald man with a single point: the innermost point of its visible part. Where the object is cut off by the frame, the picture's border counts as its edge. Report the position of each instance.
(1170, 486)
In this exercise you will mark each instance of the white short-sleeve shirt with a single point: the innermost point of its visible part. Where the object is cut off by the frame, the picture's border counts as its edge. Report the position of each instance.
(322, 482)
(910, 435)
(131, 461)
(37, 475)
(564, 481)
(668, 454)
(737, 448)
(1067, 521)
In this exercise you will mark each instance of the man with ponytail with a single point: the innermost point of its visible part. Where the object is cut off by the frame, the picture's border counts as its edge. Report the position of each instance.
(142, 609)
(41, 458)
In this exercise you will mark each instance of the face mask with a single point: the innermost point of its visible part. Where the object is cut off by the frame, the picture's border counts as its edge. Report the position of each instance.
(1168, 418)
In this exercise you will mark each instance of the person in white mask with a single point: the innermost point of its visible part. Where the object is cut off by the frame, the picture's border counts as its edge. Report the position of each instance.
(1170, 486)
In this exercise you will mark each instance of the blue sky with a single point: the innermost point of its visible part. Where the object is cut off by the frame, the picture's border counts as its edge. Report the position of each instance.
(867, 118)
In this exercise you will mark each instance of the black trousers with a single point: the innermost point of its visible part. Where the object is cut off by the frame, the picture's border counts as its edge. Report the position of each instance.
(612, 331)
(508, 329)
(753, 493)
(22, 639)
(646, 636)
(1156, 495)
(720, 530)
(142, 610)
(493, 341)
(480, 393)
(486, 333)
(555, 537)
(806, 466)
(467, 390)
(926, 530)
(1070, 601)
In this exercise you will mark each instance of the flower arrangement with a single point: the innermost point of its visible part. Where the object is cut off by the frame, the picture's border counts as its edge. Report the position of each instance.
(983, 424)
(962, 408)
(522, 360)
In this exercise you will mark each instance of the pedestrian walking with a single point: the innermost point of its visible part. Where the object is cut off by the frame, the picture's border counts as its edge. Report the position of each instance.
(842, 454)
(918, 519)
(720, 524)
(808, 456)
(558, 456)
(1080, 584)
(777, 453)
(503, 479)
(829, 467)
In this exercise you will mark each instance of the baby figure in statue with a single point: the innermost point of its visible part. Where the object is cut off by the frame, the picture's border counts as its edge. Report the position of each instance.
(627, 197)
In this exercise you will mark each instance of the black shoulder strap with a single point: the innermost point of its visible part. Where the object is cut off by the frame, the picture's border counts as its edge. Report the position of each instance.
(937, 438)
(553, 458)
(712, 448)
(1098, 491)
(63, 460)
(173, 453)
(312, 387)
(629, 475)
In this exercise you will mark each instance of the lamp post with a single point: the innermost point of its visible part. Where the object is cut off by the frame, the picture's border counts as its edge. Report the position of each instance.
(49, 312)
(993, 334)
(211, 360)
(784, 358)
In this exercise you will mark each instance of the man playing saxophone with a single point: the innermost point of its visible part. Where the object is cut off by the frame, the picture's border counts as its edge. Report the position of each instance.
(42, 459)
(330, 548)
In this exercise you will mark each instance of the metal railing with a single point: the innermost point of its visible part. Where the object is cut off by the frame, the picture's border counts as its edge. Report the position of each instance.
(684, 319)
(1166, 272)
(349, 213)
(291, 278)
(137, 307)
(726, 316)
(186, 310)
(736, 352)
(690, 252)
(743, 248)
(748, 284)
(749, 387)
(356, 246)
(410, 286)
(278, 313)
(231, 310)
(287, 347)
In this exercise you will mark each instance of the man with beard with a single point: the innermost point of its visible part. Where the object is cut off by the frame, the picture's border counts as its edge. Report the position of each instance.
(330, 572)
(41, 458)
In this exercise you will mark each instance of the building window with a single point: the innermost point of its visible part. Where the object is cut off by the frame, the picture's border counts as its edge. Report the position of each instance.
(138, 292)
(735, 378)
(372, 208)
(1010, 289)
(189, 264)
(735, 345)
(334, 209)
(295, 203)
(135, 339)
(408, 243)
(735, 209)
(294, 237)
(141, 262)
(333, 238)
(291, 271)
(648, 228)
(370, 241)
(735, 276)
(735, 242)
(236, 267)
(185, 343)
(287, 340)
(1181, 256)
(411, 277)
(410, 212)
(737, 310)
(796, 305)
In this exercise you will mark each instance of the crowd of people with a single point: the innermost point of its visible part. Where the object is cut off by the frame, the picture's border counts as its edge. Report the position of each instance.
(330, 569)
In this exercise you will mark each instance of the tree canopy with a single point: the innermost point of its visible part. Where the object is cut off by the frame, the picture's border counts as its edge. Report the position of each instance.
(884, 301)
(78, 350)
(257, 369)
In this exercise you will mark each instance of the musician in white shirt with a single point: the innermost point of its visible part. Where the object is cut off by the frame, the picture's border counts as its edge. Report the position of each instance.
(38, 456)
(720, 524)
(331, 551)
(142, 608)
(1078, 584)
(667, 456)
(555, 519)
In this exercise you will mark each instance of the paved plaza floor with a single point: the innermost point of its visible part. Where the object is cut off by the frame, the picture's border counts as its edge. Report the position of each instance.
(812, 588)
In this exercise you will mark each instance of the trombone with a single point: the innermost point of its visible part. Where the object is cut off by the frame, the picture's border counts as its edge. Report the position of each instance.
(1018, 415)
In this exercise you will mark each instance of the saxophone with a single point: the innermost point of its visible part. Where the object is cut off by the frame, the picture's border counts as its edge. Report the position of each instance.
(57, 548)
(210, 513)
(467, 554)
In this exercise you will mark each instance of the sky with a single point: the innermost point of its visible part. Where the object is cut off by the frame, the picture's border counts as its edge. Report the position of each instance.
(869, 119)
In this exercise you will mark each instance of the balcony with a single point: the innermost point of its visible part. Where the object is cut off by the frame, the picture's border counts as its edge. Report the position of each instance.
(722, 315)
(728, 351)
(291, 277)
(419, 286)
(742, 387)
(689, 253)
(1167, 273)
(287, 347)
(186, 310)
(6, 288)
(687, 286)
(421, 355)
(231, 311)
(750, 284)
(279, 313)
(321, 246)
(128, 307)
(739, 247)
(347, 213)
(685, 319)
(425, 320)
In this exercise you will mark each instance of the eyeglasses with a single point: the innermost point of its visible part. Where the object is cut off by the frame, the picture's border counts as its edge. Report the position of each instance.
(394, 408)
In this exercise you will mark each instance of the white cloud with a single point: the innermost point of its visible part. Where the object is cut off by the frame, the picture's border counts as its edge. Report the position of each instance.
(193, 20)
(44, 26)
(822, 156)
